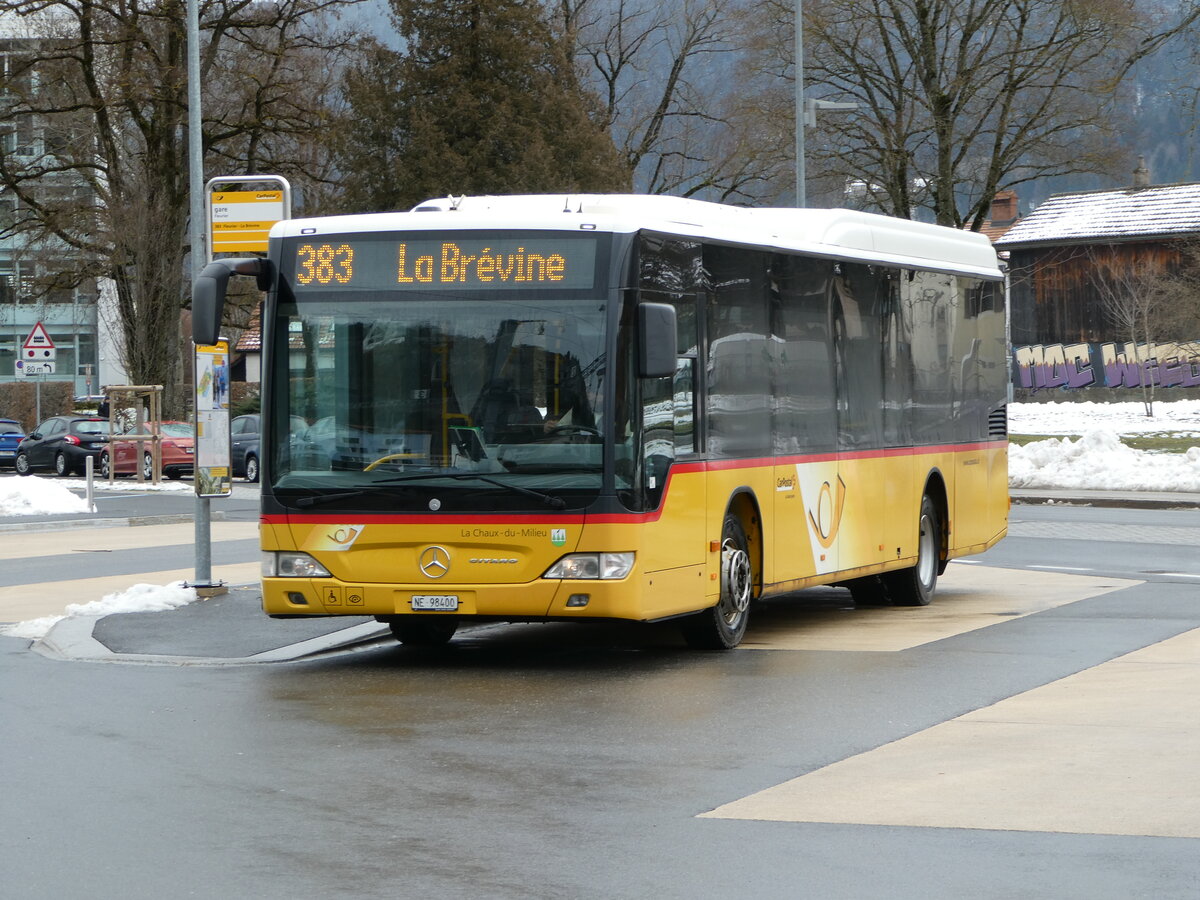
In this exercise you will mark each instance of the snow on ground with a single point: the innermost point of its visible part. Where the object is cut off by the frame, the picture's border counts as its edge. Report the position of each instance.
(33, 496)
(1096, 459)
(139, 598)
(1181, 417)
(1093, 460)
(37, 496)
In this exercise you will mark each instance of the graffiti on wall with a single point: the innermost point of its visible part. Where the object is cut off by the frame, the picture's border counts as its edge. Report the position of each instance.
(1114, 365)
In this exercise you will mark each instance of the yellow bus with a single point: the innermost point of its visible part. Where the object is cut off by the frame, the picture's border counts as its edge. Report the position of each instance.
(534, 408)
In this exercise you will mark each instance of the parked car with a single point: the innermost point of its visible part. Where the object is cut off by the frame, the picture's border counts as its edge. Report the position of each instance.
(11, 433)
(178, 447)
(62, 443)
(243, 442)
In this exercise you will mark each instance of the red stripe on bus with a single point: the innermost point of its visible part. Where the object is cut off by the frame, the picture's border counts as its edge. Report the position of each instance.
(683, 468)
(416, 519)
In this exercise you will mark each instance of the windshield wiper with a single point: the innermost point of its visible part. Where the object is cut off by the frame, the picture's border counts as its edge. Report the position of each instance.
(321, 499)
(552, 502)
(317, 499)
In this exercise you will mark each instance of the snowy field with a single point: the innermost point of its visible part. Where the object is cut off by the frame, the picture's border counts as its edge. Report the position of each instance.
(1092, 459)
(1180, 417)
(1095, 459)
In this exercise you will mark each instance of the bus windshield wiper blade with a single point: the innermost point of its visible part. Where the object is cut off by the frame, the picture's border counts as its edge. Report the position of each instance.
(317, 499)
(552, 502)
(320, 499)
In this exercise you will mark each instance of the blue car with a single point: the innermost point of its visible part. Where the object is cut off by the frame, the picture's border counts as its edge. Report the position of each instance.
(11, 433)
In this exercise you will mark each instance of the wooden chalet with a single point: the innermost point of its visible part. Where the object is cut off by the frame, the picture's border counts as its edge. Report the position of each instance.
(1060, 334)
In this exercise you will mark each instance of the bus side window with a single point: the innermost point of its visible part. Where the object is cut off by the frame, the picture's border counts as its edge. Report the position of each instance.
(668, 426)
(658, 437)
(684, 418)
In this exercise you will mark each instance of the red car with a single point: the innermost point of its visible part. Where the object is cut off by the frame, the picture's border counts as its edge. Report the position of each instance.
(178, 453)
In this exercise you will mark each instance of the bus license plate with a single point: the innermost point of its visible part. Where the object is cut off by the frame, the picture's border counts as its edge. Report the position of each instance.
(435, 601)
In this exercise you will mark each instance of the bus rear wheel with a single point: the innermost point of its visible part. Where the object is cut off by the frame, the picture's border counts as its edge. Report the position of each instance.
(723, 626)
(914, 586)
(424, 631)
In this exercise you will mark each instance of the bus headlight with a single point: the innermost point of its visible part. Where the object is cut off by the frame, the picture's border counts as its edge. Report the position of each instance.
(592, 565)
(289, 564)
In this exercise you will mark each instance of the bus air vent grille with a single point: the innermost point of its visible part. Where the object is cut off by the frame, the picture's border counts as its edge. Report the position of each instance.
(998, 422)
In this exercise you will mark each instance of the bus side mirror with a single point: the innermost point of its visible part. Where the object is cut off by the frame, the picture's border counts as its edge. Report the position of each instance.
(656, 340)
(208, 293)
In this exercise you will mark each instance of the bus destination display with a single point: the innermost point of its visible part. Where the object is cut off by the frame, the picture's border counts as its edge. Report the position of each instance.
(357, 263)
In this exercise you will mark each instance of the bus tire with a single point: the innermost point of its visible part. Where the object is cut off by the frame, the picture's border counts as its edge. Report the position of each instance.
(424, 631)
(722, 627)
(914, 586)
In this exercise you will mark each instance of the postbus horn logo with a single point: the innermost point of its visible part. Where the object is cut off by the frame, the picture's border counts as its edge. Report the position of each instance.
(828, 518)
(435, 561)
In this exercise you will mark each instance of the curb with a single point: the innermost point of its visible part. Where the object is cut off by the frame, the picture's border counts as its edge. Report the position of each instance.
(72, 640)
(1110, 499)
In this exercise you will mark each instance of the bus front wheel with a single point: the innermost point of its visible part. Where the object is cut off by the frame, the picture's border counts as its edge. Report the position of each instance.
(424, 631)
(914, 586)
(722, 627)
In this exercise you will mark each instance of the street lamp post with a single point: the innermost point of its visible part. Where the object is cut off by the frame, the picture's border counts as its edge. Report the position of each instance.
(806, 110)
(801, 198)
(203, 518)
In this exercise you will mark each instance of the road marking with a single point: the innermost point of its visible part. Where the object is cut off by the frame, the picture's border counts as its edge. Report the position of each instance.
(1110, 750)
(967, 598)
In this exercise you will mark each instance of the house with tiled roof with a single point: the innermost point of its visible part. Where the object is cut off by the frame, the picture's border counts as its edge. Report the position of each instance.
(247, 351)
(1002, 216)
(1061, 257)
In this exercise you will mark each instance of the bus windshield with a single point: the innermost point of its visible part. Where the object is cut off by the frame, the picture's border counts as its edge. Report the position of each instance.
(439, 398)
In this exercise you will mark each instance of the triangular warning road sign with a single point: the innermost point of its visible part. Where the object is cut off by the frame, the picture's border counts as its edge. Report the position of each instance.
(38, 339)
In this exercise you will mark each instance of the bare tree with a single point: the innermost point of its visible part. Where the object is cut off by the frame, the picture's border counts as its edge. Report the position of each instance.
(1181, 289)
(663, 73)
(102, 183)
(957, 99)
(1134, 297)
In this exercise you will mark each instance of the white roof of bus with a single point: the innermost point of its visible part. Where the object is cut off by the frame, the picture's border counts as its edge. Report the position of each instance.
(837, 233)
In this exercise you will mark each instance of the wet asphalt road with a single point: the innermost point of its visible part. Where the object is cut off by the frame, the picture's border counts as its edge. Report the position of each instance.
(558, 762)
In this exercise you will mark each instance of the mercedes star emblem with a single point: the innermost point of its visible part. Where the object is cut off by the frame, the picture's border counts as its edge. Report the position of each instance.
(435, 561)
